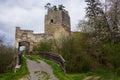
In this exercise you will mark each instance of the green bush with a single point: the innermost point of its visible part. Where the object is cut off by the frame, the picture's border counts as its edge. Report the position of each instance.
(22, 72)
(6, 58)
(45, 45)
(110, 53)
(118, 71)
(77, 51)
(82, 53)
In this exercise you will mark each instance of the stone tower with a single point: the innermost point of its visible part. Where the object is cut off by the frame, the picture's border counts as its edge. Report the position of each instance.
(57, 23)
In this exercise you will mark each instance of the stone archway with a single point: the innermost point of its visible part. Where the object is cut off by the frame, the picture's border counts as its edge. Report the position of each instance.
(26, 44)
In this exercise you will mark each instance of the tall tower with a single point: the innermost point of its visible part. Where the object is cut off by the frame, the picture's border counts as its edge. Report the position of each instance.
(57, 22)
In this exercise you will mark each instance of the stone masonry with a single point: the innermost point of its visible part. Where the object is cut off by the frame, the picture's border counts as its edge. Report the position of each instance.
(57, 24)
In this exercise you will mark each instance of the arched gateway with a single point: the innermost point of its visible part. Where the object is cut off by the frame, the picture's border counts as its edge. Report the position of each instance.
(28, 39)
(24, 44)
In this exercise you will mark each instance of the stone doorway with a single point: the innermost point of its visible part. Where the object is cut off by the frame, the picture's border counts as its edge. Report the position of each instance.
(24, 46)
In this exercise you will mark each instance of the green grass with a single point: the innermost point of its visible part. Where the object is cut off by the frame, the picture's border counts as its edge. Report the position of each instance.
(56, 69)
(103, 73)
(77, 76)
(58, 72)
(15, 76)
(34, 57)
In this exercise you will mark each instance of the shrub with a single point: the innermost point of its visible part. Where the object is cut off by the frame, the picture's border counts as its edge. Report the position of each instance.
(77, 51)
(6, 58)
(111, 53)
(45, 45)
(82, 53)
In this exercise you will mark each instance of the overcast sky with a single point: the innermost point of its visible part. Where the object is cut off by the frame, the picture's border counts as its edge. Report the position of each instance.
(29, 14)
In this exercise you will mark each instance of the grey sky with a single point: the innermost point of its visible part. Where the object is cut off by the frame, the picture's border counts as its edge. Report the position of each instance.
(29, 14)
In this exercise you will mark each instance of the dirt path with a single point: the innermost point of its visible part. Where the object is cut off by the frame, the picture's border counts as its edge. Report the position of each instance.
(40, 71)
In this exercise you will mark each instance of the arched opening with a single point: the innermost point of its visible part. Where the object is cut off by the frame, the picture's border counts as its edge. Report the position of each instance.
(24, 46)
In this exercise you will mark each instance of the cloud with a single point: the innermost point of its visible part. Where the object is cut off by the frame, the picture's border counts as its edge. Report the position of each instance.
(76, 10)
(29, 14)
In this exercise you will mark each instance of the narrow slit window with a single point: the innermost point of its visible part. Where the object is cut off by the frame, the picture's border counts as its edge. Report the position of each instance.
(51, 20)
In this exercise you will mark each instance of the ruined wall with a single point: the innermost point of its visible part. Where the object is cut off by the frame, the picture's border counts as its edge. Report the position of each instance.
(28, 36)
(57, 24)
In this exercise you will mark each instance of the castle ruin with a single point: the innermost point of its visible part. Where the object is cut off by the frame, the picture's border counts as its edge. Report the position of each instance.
(57, 23)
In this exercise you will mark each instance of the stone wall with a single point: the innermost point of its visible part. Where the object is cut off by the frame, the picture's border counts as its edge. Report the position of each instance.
(28, 36)
(57, 24)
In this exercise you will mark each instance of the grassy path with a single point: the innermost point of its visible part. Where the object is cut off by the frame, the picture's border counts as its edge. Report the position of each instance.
(40, 71)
